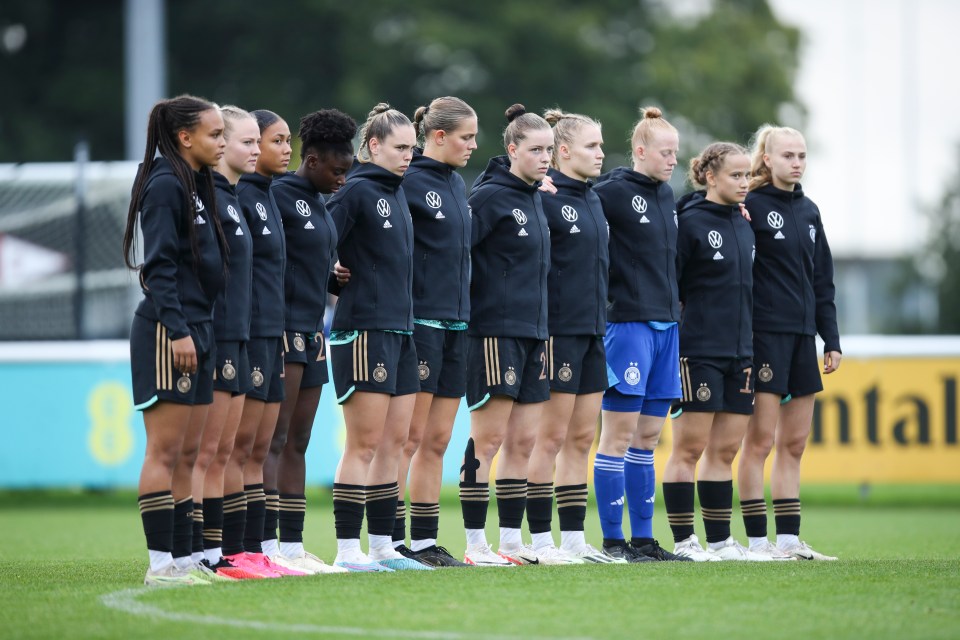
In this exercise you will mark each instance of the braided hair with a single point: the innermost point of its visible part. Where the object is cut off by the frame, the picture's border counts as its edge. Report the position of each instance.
(711, 159)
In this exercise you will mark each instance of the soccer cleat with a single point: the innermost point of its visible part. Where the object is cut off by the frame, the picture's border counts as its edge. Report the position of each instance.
(402, 563)
(244, 561)
(767, 548)
(623, 552)
(203, 570)
(730, 549)
(481, 555)
(171, 576)
(551, 555)
(436, 556)
(655, 551)
(264, 561)
(308, 563)
(803, 551)
(359, 562)
(227, 568)
(690, 548)
(590, 555)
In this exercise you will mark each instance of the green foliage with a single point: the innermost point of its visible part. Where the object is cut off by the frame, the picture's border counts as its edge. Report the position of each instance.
(717, 75)
(940, 262)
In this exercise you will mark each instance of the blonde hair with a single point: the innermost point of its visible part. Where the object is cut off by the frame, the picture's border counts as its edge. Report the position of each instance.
(759, 172)
(520, 123)
(381, 121)
(711, 159)
(231, 115)
(651, 121)
(442, 114)
(565, 128)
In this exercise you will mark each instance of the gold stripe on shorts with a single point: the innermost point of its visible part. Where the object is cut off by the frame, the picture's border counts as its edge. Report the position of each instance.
(491, 360)
(685, 380)
(551, 357)
(286, 345)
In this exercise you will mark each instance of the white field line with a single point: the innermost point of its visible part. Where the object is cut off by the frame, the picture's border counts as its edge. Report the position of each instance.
(126, 600)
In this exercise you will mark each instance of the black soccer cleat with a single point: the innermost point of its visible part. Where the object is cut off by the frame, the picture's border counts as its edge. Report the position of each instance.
(437, 556)
(620, 551)
(654, 551)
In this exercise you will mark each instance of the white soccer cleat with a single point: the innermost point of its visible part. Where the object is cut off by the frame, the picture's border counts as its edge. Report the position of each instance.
(733, 550)
(767, 548)
(522, 554)
(590, 555)
(308, 563)
(690, 548)
(551, 555)
(171, 576)
(803, 551)
(481, 555)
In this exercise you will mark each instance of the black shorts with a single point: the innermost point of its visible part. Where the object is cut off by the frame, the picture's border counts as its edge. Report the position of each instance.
(309, 350)
(232, 370)
(513, 367)
(266, 369)
(577, 364)
(151, 365)
(787, 363)
(717, 384)
(442, 360)
(375, 361)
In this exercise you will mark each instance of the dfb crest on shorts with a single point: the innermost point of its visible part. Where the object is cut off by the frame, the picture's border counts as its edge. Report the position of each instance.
(298, 343)
(380, 373)
(424, 370)
(184, 384)
(510, 377)
(229, 372)
(765, 374)
(565, 373)
(632, 375)
(703, 393)
(256, 376)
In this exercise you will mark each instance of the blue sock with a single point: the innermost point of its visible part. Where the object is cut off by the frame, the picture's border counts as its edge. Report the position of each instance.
(608, 486)
(640, 480)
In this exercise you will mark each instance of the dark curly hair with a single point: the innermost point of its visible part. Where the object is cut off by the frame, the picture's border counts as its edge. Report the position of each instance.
(327, 131)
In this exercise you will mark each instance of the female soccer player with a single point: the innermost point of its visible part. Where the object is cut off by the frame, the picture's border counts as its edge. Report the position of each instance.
(243, 529)
(793, 300)
(641, 341)
(374, 357)
(437, 199)
(576, 363)
(326, 154)
(715, 271)
(171, 338)
(506, 354)
(231, 329)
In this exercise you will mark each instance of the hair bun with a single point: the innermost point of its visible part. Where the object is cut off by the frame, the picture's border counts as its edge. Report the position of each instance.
(515, 111)
(651, 112)
(553, 116)
(382, 107)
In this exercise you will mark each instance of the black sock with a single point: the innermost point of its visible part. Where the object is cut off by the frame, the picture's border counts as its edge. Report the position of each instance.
(540, 506)
(256, 511)
(212, 523)
(400, 522)
(786, 516)
(678, 500)
(474, 500)
(571, 506)
(271, 514)
(197, 515)
(381, 508)
(156, 513)
(183, 527)
(716, 507)
(292, 512)
(424, 520)
(511, 502)
(234, 522)
(348, 506)
(754, 517)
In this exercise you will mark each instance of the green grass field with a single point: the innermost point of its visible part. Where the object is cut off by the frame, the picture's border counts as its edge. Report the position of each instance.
(73, 565)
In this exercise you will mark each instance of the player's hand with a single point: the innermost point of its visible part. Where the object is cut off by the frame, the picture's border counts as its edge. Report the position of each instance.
(744, 212)
(547, 186)
(831, 361)
(184, 355)
(342, 274)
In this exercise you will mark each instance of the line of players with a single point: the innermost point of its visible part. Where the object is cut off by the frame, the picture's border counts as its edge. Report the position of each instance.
(549, 297)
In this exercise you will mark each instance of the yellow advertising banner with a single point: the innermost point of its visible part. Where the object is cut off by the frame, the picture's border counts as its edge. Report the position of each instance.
(880, 420)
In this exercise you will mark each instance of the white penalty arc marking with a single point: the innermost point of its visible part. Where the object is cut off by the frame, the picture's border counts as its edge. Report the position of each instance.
(126, 600)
